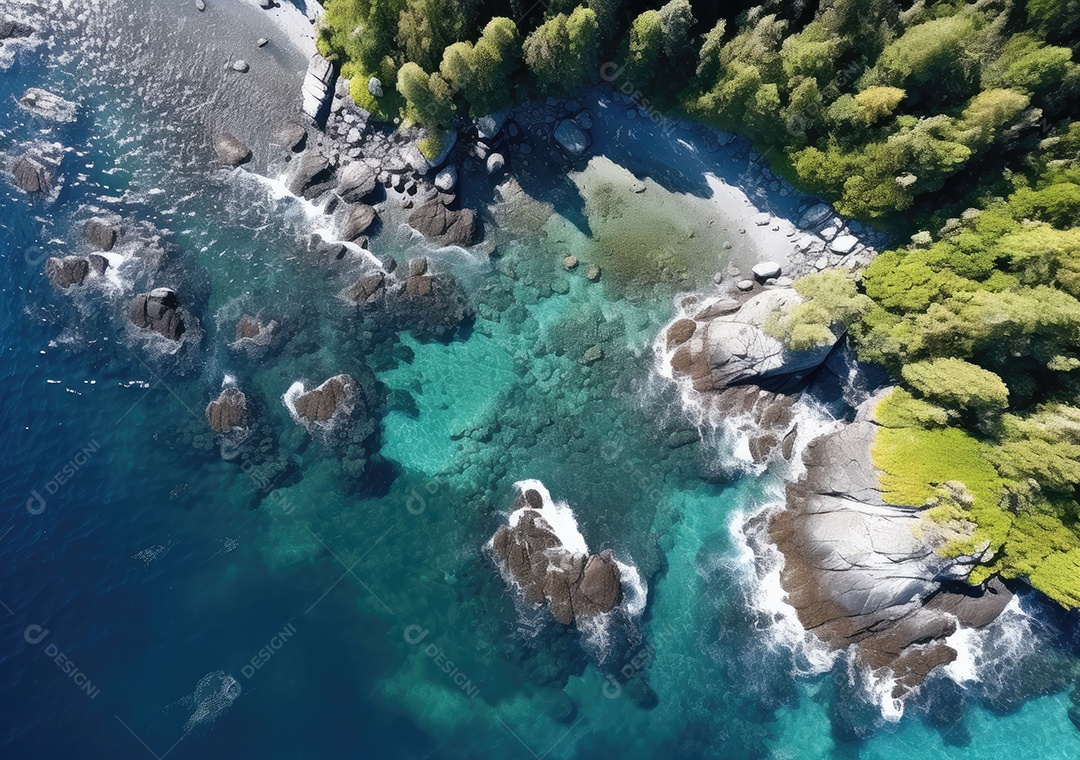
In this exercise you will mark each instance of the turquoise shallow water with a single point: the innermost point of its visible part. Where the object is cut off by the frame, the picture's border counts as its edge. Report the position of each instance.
(292, 609)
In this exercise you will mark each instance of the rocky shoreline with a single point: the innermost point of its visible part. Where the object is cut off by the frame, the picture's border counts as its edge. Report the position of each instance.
(860, 574)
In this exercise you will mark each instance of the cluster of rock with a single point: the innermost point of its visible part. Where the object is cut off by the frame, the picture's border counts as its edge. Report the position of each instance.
(10, 29)
(576, 587)
(430, 305)
(864, 573)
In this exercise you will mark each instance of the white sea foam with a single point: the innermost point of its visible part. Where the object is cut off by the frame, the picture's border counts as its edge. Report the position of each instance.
(295, 391)
(558, 516)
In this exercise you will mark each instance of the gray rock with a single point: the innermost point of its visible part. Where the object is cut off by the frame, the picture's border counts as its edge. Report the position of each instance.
(356, 220)
(374, 87)
(32, 176)
(495, 163)
(158, 310)
(488, 127)
(335, 396)
(765, 270)
(292, 137)
(241, 66)
(68, 271)
(734, 349)
(101, 234)
(228, 412)
(862, 572)
(367, 289)
(576, 587)
(98, 263)
(318, 87)
(745, 285)
(446, 179)
(262, 42)
(13, 29)
(230, 150)
(200, 6)
(356, 182)
(446, 226)
(312, 175)
(573, 141)
(844, 244)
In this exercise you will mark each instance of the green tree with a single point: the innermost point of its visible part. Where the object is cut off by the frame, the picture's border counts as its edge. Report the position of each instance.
(482, 73)
(428, 97)
(563, 53)
(957, 383)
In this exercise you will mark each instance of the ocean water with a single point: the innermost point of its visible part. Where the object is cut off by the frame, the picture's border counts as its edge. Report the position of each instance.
(157, 599)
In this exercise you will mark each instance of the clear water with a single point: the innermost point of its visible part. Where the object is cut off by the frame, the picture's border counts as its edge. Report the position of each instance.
(205, 615)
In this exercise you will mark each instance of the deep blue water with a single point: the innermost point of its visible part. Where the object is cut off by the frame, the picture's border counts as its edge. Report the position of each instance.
(157, 599)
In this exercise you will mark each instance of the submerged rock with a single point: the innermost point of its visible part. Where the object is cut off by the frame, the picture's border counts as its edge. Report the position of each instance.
(158, 310)
(862, 572)
(335, 396)
(228, 412)
(445, 226)
(68, 271)
(230, 150)
(571, 138)
(48, 106)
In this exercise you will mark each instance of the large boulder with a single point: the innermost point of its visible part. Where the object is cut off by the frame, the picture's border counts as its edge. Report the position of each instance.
(333, 397)
(48, 106)
(68, 271)
(445, 226)
(230, 150)
(312, 176)
(158, 310)
(32, 176)
(575, 585)
(101, 234)
(431, 306)
(292, 137)
(228, 412)
(733, 347)
(356, 219)
(571, 138)
(356, 182)
(862, 572)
